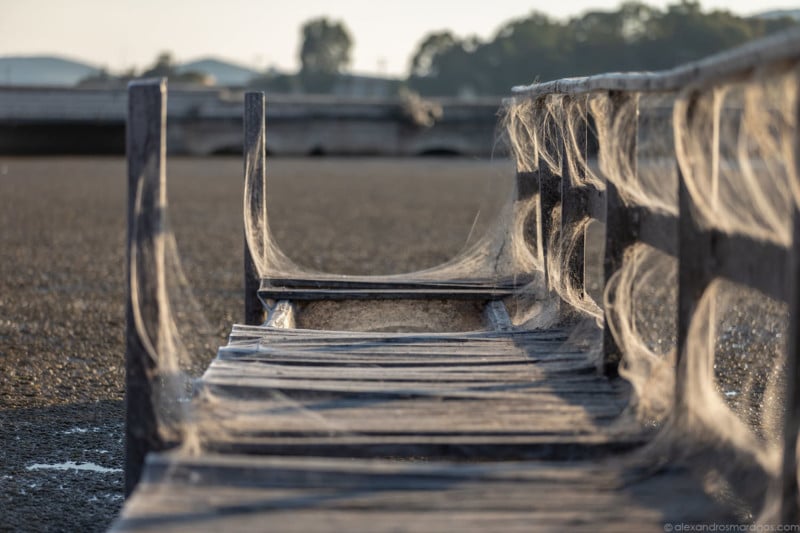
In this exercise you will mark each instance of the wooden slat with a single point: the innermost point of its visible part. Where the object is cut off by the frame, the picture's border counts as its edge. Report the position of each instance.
(595, 201)
(282, 293)
(620, 230)
(659, 230)
(357, 288)
(227, 493)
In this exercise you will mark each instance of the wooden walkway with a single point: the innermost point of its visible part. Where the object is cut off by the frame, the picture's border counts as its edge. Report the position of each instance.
(476, 431)
(493, 429)
(496, 429)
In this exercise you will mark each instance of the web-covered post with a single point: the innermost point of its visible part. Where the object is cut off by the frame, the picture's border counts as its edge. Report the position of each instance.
(255, 174)
(146, 270)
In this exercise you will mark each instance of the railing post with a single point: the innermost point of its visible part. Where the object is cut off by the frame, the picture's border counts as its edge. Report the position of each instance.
(255, 169)
(527, 188)
(695, 272)
(145, 269)
(549, 199)
(620, 230)
(790, 493)
(573, 211)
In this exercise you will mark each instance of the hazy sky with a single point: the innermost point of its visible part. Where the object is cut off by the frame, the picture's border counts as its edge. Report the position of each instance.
(124, 33)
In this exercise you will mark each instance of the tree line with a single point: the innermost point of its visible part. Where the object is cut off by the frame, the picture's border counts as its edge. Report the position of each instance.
(536, 47)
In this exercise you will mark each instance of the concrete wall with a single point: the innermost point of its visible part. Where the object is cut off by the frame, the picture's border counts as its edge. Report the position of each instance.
(202, 122)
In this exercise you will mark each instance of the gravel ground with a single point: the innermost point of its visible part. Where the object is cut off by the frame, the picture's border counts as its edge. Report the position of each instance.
(62, 275)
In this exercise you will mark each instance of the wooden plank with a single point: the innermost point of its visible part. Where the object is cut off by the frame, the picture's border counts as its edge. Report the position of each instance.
(527, 185)
(255, 172)
(215, 492)
(283, 293)
(444, 374)
(659, 230)
(407, 282)
(758, 264)
(550, 335)
(557, 447)
(146, 270)
(378, 287)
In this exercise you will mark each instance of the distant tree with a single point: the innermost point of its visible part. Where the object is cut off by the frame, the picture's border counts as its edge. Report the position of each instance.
(165, 67)
(324, 54)
(276, 82)
(445, 64)
(425, 60)
(524, 49)
(100, 78)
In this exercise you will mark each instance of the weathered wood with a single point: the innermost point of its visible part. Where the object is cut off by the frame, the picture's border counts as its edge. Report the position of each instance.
(242, 493)
(527, 185)
(595, 200)
(312, 397)
(705, 254)
(255, 172)
(549, 200)
(620, 231)
(790, 493)
(332, 282)
(695, 273)
(757, 264)
(574, 208)
(658, 230)
(383, 288)
(145, 306)
(527, 189)
(574, 211)
(284, 293)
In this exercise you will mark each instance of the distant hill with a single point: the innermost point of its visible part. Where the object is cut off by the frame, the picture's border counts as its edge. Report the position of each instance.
(780, 13)
(225, 73)
(43, 70)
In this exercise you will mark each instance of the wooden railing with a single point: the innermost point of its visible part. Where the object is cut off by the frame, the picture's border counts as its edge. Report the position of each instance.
(702, 254)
